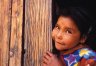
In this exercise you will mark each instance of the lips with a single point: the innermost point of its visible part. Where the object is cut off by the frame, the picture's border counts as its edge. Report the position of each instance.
(59, 43)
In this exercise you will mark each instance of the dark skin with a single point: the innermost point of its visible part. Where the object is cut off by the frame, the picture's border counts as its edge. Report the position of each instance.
(67, 38)
(50, 59)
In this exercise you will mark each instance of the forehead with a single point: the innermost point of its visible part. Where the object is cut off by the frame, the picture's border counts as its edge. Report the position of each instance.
(66, 21)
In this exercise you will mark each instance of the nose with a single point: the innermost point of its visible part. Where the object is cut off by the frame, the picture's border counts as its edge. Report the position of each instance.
(59, 35)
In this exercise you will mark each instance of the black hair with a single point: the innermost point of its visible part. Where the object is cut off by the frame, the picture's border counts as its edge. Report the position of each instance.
(81, 18)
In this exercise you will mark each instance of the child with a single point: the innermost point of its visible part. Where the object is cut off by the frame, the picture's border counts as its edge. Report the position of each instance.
(70, 36)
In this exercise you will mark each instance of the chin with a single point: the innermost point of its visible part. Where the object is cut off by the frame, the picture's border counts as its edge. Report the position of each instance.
(59, 48)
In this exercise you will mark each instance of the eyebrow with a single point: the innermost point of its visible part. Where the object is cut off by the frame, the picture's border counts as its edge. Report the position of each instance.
(69, 28)
(56, 24)
(66, 28)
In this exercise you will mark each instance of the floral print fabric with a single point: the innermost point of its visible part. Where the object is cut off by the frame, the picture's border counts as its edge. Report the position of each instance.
(74, 58)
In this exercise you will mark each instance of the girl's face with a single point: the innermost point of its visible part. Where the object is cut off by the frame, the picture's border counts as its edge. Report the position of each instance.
(65, 34)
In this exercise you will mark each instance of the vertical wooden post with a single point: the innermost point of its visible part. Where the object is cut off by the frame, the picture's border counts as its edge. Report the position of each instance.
(37, 30)
(16, 33)
(5, 21)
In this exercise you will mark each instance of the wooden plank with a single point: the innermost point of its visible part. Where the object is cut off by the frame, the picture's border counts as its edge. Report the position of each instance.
(37, 30)
(5, 21)
(16, 33)
(0, 57)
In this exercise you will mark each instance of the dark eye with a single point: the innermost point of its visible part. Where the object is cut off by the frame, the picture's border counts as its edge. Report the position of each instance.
(69, 31)
(56, 26)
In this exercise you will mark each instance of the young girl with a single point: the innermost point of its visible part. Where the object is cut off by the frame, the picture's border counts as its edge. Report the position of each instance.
(70, 36)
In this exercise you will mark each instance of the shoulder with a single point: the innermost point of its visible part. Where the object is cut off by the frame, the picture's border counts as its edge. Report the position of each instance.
(87, 53)
(88, 57)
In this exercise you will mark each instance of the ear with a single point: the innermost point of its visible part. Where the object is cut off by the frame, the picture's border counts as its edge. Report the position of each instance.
(83, 39)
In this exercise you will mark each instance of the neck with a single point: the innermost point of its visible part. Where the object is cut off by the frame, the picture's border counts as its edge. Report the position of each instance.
(64, 52)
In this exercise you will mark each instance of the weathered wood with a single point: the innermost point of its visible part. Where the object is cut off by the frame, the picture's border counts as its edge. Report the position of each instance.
(37, 33)
(37, 30)
(0, 57)
(16, 33)
(5, 21)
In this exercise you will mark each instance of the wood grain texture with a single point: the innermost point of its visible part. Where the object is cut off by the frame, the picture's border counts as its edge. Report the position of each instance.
(16, 33)
(5, 21)
(37, 30)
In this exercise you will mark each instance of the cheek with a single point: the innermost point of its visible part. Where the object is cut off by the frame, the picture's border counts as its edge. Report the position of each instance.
(71, 40)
